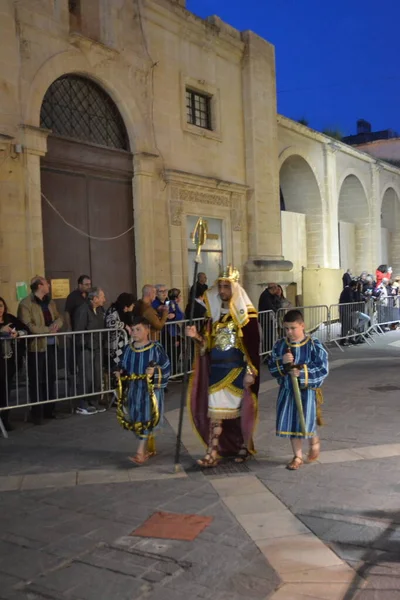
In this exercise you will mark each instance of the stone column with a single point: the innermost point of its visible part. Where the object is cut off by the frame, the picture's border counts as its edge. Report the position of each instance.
(144, 173)
(177, 239)
(370, 238)
(332, 200)
(238, 227)
(265, 261)
(34, 144)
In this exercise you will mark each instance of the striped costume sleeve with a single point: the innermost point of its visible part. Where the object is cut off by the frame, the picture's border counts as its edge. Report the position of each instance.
(162, 370)
(316, 369)
(123, 364)
(275, 363)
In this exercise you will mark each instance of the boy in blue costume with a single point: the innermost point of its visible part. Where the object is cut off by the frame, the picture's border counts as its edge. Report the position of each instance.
(143, 376)
(307, 360)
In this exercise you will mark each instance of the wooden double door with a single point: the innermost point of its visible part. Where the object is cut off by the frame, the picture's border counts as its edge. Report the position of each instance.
(90, 191)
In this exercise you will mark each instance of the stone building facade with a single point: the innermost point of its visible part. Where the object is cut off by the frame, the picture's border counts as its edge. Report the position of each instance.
(146, 55)
(121, 122)
(342, 206)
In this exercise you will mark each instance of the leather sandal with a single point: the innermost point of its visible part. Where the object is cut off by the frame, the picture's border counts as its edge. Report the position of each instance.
(315, 448)
(208, 461)
(295, 463)
(242, 455)
(139, 459)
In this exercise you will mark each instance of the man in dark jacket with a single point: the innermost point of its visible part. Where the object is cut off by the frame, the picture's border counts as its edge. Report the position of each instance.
(201, 283)
(199, 304)
(269, 301)
(347, 309)
(76, 298)
(347, 277)
(90, 317)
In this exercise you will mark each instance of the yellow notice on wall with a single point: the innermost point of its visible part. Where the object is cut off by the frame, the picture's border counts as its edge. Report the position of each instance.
(60, 288)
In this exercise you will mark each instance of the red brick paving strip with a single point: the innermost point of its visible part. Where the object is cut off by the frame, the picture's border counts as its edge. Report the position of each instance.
(172, 526)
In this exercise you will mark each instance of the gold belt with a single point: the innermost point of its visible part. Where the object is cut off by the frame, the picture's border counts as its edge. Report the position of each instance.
(141, 427)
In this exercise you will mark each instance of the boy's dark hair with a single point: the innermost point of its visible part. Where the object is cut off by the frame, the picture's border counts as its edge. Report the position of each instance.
(293, 316)
(140, 321)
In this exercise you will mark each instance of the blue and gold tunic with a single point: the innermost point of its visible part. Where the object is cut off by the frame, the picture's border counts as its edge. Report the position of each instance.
(312, 355)
(134, 362)
(227, 369)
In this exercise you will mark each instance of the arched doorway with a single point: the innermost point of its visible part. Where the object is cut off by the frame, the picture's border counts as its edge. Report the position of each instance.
(354, 227)
(390, 230)
(302, 218)
(86, 183)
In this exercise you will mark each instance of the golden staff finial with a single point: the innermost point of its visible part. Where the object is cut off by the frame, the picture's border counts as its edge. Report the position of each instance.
(199, 237)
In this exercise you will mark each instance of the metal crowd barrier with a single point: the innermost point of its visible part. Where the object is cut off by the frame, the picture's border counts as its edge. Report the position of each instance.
(316, 319)
(387, 312)
(37, 370)
(349, 321)
(174, 341)
(268, 331)
(40, 370)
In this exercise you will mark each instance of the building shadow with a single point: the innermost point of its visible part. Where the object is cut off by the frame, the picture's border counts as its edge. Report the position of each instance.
(383, 550)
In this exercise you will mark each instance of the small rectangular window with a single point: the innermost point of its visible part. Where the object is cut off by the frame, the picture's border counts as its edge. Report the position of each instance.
(198, 109)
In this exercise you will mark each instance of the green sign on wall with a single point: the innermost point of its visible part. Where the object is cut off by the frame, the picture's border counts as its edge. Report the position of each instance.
(21, 290)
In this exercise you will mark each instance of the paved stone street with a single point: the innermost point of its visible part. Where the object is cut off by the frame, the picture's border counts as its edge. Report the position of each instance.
(69, 502)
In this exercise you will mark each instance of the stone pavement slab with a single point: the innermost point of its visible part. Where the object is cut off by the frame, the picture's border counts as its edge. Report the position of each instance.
(75, 543)
(298, 553)
(57, 480)
(278, 524)
(276, 534)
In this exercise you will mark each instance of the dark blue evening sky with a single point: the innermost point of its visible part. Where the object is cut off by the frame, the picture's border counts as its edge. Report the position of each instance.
(336, 60)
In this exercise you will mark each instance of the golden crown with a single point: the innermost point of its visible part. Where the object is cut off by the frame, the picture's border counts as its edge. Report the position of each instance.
(229, 273)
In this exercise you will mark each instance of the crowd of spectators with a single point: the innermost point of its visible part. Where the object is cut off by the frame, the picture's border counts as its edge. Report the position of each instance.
(101, 335)
(368, 297)
(95, 349)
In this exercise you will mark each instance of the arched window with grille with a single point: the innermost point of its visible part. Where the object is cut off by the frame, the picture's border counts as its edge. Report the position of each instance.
(78, 108)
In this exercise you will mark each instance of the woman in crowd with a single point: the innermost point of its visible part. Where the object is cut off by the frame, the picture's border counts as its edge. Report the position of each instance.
(119, 318)
(10, 357)
(284, 302)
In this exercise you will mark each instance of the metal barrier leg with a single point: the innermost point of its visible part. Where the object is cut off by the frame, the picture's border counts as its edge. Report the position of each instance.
(338, 345)
(3, 429)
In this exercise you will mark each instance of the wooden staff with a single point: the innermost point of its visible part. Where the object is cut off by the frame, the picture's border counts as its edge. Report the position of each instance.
(199, 239)
(297, 397)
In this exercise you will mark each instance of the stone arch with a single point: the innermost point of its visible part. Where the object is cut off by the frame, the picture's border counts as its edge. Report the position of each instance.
(88, 158)
(74, 62)
(358, 176)
(301, 193)
(354, 224)
(390, 228)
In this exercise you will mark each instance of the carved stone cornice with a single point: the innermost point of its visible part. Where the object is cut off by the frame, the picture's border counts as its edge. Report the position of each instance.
(174, 176)
(187, 188)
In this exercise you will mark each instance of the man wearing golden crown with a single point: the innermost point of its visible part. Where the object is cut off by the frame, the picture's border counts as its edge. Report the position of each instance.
(225, 381)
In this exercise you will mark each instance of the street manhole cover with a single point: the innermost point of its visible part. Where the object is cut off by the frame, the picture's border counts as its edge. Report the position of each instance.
(224, 468)
(384, 388)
